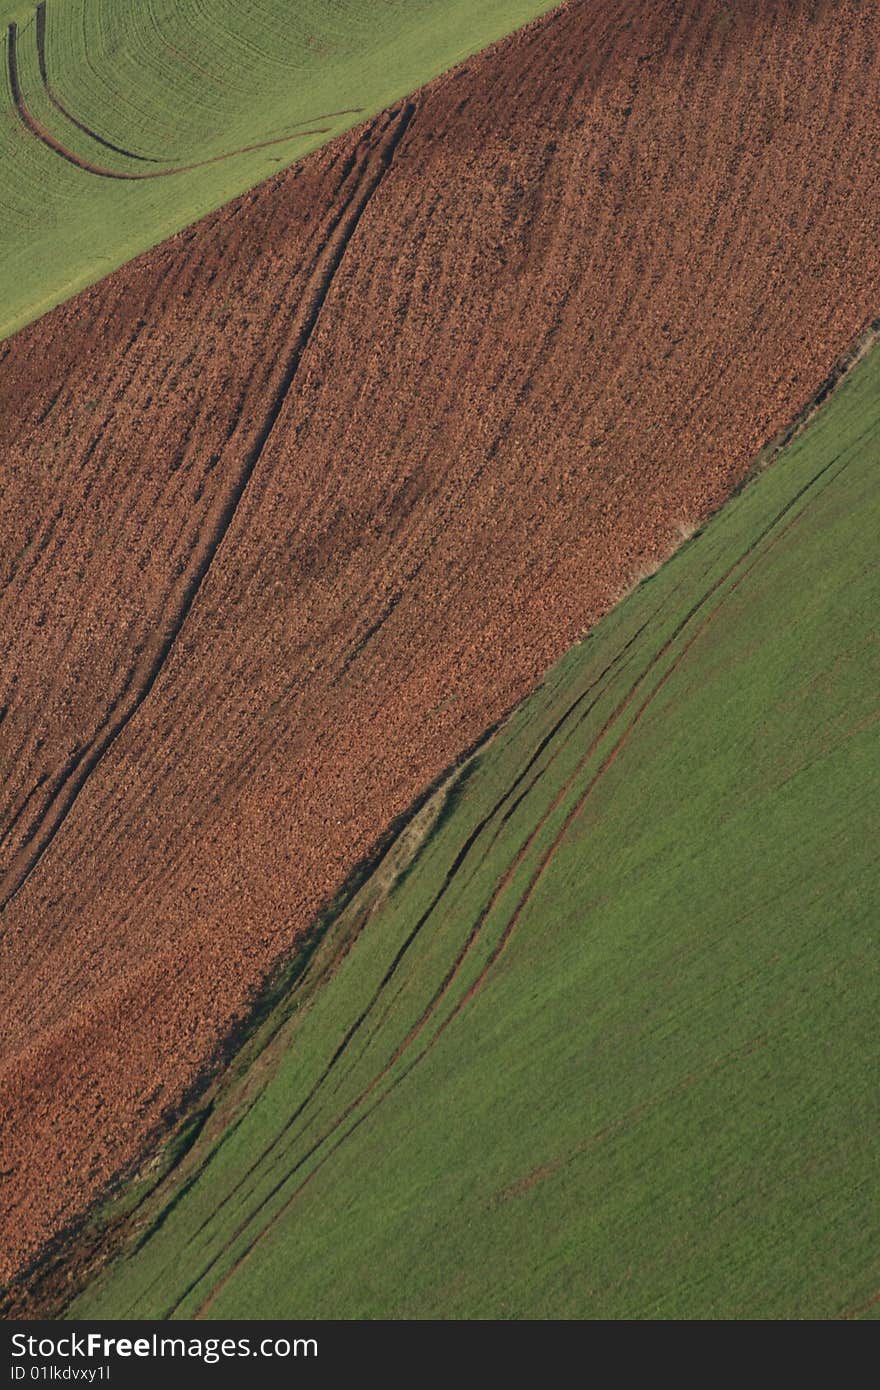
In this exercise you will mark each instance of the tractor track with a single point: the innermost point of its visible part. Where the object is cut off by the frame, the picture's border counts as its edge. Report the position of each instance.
(64, 110)
(73, 776)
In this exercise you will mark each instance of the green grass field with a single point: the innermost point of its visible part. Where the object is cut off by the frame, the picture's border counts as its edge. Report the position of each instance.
(174, 82)
(607, 1047)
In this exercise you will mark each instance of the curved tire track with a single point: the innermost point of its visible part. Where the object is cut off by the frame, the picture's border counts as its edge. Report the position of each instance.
(37, 129)
(64, 110)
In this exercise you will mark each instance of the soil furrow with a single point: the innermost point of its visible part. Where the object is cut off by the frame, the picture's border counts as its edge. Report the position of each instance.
(143, 676)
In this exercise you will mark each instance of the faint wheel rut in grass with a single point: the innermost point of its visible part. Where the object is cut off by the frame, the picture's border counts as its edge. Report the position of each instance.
(19, 811)
(626, 735)
(45, 136)
(450, 877)
(526, 897)
(151, 659)
(446, 884)
(851, 1314)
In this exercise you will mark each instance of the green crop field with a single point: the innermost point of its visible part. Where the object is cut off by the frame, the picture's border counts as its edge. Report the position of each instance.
(603, 1044)
(136, 87)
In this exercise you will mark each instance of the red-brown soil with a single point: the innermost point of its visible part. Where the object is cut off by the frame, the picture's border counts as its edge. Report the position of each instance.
(297, 504)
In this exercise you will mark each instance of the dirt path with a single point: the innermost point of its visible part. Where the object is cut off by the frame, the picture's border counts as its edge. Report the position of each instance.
(298, 504)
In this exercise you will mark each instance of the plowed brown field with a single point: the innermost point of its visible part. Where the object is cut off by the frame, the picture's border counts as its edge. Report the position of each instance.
(297, 504)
